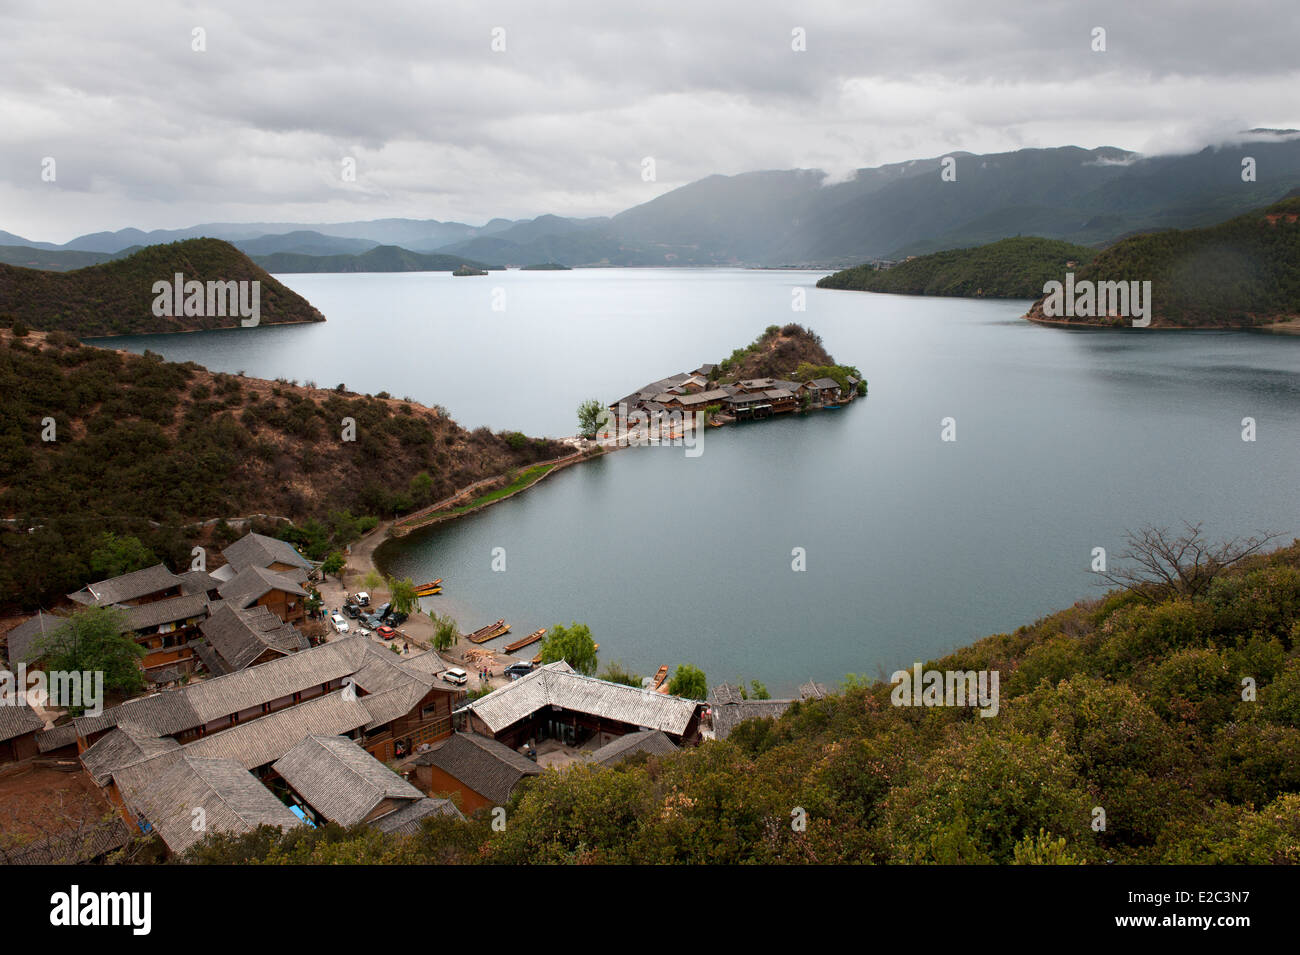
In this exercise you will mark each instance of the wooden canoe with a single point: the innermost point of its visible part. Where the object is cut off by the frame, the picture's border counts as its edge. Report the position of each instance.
(659, 678)
(525, 641)
(492, 630)
(428, 592)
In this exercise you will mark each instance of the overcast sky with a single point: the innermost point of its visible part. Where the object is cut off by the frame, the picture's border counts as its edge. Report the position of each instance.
(147, 132)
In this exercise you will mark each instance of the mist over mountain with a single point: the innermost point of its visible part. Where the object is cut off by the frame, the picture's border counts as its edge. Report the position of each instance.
(800, 217)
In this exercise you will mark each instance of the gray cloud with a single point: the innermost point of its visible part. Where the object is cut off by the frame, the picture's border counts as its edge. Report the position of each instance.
(147, 132)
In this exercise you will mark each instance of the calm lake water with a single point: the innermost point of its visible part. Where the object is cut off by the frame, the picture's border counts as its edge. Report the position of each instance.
(914, 546)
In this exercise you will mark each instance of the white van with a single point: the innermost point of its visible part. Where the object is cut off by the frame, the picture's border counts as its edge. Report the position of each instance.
(340, 624)
(455, 675)
(362, 599)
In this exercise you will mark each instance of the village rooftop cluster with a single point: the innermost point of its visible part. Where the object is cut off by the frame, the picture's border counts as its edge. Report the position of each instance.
(251, 722)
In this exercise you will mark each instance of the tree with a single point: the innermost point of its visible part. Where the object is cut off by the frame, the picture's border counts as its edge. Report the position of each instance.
(401, 594)
(120, 555)
(422, 489)
(445, 631)
(757, 690)
(94, 639)
(591, 414)
(688, 681)
(372, 580)
(1185, 564)
(573, 644)
(334, 564)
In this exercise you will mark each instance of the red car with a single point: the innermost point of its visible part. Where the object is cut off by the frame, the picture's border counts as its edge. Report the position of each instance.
(386, 632)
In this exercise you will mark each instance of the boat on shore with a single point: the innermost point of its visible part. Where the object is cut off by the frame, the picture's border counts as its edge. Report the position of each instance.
(659, 678)
(492, 630)
(432, 587)
(525, 641)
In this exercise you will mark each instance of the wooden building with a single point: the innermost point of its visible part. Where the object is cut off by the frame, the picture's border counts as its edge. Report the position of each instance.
(19, 725)
(478, 770)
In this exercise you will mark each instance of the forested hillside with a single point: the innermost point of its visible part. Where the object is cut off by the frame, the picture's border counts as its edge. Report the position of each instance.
(96, 441)
(1011, 268)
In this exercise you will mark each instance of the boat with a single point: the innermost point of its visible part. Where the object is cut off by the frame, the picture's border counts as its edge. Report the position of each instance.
(492, 630)
(659, 677)
(432, 587)
(428, 593)
(525, 641)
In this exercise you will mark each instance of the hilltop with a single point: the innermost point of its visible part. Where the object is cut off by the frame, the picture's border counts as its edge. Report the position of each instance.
(777, 353)
(383, 258)
(117, 297)
(184, 445)
(1010, 268)
(1243, 273)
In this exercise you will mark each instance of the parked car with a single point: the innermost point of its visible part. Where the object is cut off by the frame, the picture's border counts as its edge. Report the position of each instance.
(386, 632)
(371, 620)
(516, 670)
(362, 599)
(397, 618)
(455, 675)
(352, 610)
(383, 611)
(340, 624)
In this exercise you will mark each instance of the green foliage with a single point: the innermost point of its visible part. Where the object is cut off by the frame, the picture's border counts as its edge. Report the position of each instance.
(94, 639)
(615, 672)
(333, 563)
(591, 413)
(401, 593)
(688, 681)
(120, 555)
(572, 644)
(445, 631)
(1010, 268)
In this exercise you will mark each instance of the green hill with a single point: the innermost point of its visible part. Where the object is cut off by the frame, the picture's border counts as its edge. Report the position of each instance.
(56, 260)
(383, 258)
(117, 297)
(1241, 273)
(1134, 704)
(1011, 268)
(145, 448)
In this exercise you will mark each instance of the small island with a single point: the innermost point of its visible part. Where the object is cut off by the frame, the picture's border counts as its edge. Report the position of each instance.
(784, 370)
(468, 270)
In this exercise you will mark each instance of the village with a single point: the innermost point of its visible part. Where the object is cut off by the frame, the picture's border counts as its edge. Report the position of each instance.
(669, 401)
(256, 713)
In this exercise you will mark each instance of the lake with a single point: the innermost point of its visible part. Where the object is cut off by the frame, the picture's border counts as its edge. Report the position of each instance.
(914, 546)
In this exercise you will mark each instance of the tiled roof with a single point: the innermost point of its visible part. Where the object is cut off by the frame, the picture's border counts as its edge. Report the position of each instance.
(489, 768)
(18, 719)
(258, 550)
(251, 583)
(170, 790)
(727, 716)
(22, 637)
(644, 741)
(129, 743)
(405, 821)
(241, 636)
(132, 586)
(558, 685)
(340, 780)
(172, 610)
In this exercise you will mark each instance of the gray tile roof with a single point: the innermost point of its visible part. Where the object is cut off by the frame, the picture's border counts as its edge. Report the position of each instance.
(75, 846)
(251, 583)
(489, 768)
(132, 586)
(557, 685)
(340, 780)
(172, 711)
(258, 550)
(824, 383)
(812, 690)
(198, 582)
(22, 637)
(241, 636)
(265, 739)
(167, 789)
(18, 719)
(56, 737)
(727, 716)
(725, 693)
(643, 741)
(172, 610)
(405, 821)
(129, 743)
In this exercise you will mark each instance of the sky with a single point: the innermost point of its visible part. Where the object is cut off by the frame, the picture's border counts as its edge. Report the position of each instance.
(467, 111)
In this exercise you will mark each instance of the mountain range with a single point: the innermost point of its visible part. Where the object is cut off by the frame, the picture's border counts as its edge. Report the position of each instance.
(801, 217)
